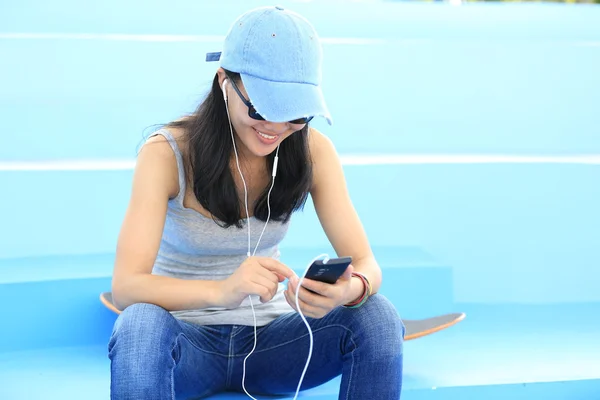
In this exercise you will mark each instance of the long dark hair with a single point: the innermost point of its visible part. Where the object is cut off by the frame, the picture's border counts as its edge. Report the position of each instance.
(209, 153)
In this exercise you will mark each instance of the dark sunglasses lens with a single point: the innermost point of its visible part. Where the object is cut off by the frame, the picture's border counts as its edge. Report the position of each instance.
(301, 121)
(254, 115)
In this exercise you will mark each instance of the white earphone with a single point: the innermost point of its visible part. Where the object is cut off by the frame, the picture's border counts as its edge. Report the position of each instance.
(223, 88)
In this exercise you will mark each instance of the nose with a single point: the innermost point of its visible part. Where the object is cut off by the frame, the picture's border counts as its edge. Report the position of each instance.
(277, 128)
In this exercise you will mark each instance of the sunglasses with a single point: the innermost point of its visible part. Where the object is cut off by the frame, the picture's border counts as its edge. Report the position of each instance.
(255, 115)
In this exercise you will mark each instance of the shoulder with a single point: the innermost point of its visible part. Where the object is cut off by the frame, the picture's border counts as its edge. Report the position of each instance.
(322, 150)
(158, 147)
(325, 158)
(160, 144)
(157, 157)
(319, 143)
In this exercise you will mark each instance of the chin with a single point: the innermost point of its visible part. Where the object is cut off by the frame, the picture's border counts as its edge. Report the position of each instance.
(261, 150)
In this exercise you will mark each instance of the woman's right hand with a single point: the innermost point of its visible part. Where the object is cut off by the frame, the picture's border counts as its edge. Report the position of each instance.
(255, 276)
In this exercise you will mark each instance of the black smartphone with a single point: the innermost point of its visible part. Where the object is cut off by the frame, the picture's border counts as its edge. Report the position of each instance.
(330, 271)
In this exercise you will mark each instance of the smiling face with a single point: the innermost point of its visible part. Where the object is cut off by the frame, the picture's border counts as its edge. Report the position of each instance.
(255, 138)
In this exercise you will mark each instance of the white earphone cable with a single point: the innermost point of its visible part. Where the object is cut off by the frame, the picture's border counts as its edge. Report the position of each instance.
(254, 253)
(310, 334)
(237, 161)
(269, 198)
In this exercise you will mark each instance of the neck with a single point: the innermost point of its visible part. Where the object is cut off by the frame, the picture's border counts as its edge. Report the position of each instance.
(250, 164)
(246, 157)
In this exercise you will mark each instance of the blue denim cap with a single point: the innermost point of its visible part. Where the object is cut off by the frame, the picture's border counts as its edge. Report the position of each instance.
(278, 55)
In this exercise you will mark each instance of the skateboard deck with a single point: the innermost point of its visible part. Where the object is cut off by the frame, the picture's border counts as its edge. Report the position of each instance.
(415, 328)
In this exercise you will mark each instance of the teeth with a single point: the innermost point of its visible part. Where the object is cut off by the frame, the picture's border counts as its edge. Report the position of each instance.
(266, 136)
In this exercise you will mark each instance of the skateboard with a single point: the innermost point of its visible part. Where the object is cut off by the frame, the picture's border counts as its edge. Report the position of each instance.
(415, 328)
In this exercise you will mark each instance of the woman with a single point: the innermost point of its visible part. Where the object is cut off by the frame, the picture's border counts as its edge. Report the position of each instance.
(197, 266)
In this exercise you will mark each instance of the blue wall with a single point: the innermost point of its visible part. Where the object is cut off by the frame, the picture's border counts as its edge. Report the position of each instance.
(512, 233)
(490, 78)
(516, 78)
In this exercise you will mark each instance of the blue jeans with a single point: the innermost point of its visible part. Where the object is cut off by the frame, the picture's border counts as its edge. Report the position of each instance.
(155, 356)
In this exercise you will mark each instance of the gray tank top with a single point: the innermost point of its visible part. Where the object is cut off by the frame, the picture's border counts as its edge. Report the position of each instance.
(195, 247)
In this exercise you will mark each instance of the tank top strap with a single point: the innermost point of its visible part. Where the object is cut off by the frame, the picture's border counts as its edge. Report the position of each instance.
(180, 165)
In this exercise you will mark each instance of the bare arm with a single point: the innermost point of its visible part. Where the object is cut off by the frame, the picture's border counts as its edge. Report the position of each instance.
(154, 182)
(337, 215)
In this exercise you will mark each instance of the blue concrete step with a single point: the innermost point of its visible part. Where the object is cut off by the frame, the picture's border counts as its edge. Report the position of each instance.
(81, 212)
(43, 296)
(478, 359)
(464, 214)
(48, 293)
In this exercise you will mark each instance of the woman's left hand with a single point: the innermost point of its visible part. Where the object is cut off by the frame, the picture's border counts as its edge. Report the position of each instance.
(317, 299)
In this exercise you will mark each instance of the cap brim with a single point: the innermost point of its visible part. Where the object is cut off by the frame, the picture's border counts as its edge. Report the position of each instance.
(284, 101)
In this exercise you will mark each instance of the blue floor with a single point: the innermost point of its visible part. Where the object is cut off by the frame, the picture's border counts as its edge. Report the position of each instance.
(514, 246)
(492, 355)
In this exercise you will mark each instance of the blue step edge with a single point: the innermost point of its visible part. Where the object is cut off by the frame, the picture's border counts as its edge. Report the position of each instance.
(56, 267)
(56, 291)
(83, 266)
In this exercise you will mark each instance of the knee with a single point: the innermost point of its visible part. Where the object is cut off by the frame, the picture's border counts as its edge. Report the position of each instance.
(141, 327)
(378, 325)
(140, 350)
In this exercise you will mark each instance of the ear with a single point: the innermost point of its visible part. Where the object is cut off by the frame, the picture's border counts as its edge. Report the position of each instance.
(222, 76)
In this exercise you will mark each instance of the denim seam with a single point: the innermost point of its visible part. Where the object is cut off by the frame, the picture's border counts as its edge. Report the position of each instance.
(236, 330)
(298, 338)
(351, 368)
(175, 343)
(201, 349)
(229, 360)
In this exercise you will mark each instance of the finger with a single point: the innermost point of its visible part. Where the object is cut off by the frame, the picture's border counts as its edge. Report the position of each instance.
(290, 299)
(317, 304)
(265, 273)
(291, 294)
(277, 267)
(293, 282)
(291, 288)
(264, 287)
(312, 299)
(320, 288)
(309, 310)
